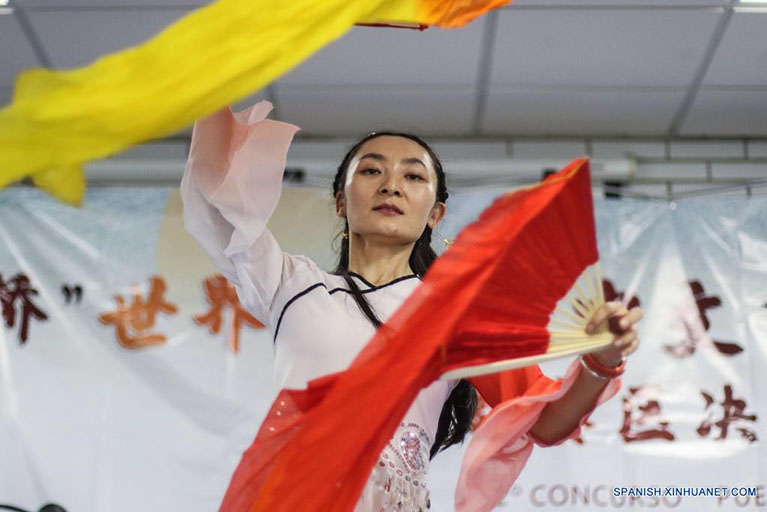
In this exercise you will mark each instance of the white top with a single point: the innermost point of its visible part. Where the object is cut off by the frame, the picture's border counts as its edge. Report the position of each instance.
(316, 325)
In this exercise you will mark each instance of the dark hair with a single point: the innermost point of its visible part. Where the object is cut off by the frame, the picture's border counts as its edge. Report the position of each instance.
(458, 410)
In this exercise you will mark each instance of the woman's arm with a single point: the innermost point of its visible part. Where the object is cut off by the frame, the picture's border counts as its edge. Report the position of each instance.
(562, 416)
(231, 185)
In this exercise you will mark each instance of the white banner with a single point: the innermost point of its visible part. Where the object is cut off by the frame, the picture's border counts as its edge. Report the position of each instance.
(132, 379)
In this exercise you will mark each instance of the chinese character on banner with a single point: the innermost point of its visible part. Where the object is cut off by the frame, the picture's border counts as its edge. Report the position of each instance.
(133, 321)
(19, 289)
(687, 347)
(732, 411)
(639, 427)
(612, 294)
(221, 295)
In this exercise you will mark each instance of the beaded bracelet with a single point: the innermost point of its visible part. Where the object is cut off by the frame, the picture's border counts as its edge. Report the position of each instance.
(600, 370)
(592, 372)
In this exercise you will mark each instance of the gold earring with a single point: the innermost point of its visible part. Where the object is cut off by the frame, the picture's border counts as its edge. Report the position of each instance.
(447, 241)
(346, 235)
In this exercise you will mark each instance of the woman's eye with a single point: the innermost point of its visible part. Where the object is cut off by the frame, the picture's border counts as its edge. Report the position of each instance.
(415, 177)
(369, 171)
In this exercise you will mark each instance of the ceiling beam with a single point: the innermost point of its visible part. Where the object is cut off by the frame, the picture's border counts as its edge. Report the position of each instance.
(37, 47)
(483, 72)
(700, 73)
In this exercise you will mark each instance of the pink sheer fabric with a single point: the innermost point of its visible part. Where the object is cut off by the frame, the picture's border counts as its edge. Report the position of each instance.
(253, 146)
(231, 185)
(502, 444)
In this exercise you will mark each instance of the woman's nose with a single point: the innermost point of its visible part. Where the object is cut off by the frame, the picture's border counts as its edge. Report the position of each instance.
(390, 187)
(393, 191)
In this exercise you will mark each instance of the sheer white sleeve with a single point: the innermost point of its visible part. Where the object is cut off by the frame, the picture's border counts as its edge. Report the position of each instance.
(231, 185)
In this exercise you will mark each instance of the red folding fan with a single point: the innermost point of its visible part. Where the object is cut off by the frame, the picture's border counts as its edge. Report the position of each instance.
(516, 287)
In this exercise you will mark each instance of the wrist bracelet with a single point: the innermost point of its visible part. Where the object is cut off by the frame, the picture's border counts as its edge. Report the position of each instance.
(592, 372)
(598, 367)
(608, 372)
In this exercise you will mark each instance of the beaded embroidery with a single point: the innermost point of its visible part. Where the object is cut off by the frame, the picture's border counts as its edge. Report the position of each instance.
(398, 480)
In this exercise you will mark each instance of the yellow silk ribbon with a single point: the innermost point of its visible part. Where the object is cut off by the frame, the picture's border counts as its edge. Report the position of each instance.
(208, 59)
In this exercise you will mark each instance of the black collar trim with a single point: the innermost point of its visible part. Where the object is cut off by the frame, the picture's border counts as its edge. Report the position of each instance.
(334, 290)
(372, 287)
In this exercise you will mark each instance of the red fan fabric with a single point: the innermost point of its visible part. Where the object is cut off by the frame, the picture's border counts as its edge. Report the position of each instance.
(487, 298)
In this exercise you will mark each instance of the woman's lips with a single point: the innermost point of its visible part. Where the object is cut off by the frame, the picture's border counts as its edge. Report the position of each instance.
(387, 211)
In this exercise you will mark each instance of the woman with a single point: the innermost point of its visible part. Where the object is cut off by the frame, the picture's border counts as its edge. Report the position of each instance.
(390, 191)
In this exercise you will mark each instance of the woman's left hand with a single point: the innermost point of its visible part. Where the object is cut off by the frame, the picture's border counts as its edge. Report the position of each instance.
(622, 324)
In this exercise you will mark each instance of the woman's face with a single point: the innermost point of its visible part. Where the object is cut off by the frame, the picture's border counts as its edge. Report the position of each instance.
(390, 191)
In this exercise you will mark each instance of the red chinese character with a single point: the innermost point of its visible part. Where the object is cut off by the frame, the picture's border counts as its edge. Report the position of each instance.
(649, 414)
(733, 411)
(19, 289)
(694, 336)
(612, 294)
(221, 294)
(133, 321)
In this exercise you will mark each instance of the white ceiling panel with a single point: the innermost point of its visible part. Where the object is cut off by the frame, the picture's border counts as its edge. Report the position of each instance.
(727, 112)
(375, 56)
(356, 111)
(15, 51)
(73, 38)
(559, 67)
(741, 58)
(530, 111)
(599, 46)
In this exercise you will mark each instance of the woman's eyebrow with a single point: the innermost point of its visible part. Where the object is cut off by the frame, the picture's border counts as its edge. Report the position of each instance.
(382, 158)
